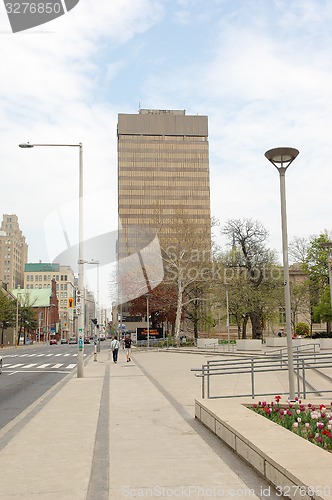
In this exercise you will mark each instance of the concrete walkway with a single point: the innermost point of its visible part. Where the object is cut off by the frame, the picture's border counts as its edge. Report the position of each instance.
(125, 430)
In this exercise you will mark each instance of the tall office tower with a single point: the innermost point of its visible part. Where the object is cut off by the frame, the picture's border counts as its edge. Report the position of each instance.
(13, 252)
(163, 171)
(163, 177)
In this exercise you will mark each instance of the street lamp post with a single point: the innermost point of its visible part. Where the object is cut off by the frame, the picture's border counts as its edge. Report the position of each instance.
(227, 318)
(80, 308)
(16, 322)
(281, 158)
(328, 246)
(148, 321)
(96, 263)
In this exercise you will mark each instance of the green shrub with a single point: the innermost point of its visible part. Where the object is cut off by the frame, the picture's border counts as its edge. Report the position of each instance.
(322, 335)
(302, 329)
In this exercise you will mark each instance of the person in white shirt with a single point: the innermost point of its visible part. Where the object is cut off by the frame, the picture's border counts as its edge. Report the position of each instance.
(115, 344)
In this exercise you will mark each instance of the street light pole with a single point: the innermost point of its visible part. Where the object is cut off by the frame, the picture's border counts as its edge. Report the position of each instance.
(80, 308)
(16, 322)
(281, 158)
(227, 318)
(148, 321)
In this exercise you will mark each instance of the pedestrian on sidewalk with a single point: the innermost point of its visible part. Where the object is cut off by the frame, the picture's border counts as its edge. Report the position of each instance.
(127, 344)
(115, 348)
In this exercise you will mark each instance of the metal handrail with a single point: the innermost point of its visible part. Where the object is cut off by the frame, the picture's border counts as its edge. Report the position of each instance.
(296, 348)
(254, 365)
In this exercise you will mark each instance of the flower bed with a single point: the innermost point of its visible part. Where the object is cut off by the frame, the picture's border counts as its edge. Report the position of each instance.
(311, 422)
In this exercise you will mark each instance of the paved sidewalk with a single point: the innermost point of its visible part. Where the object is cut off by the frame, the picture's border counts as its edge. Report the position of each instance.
(125, 430)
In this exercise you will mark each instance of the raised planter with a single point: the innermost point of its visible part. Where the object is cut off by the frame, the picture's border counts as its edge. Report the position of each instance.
(206, 342)
(249, 345)
(325, 343)
(297, 468)
(276, 342)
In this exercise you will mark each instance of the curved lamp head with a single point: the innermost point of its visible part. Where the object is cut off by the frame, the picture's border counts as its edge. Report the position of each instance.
(279, 156)
(26, 145)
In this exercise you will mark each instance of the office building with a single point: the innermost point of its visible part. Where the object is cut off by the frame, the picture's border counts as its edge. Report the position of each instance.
(40, 276)
(163, 175)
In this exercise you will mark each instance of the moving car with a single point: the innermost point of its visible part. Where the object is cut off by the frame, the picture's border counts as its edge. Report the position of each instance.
(86, 340)
(72, 340)
(53, 341)
(64, 341)
(0, 364)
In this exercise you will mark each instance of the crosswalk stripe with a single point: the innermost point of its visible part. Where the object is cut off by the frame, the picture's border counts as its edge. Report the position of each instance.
(44, 366)
(29, 366)
(58, 354)
(16, 366)
(71, 366)
(57, 365)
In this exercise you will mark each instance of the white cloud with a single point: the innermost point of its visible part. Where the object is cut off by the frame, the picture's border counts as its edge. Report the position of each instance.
(260, 70)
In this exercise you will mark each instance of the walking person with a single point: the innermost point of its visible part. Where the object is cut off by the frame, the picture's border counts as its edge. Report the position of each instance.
(115, 348)
(127, 344)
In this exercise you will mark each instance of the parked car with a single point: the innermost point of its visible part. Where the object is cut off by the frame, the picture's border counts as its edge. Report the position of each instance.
(86, 340)
(0, 364)
(72, 340)
(64, 341)
(53, 341)
(102, 336)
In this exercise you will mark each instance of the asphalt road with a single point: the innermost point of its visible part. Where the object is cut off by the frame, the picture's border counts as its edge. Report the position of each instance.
(30, 371)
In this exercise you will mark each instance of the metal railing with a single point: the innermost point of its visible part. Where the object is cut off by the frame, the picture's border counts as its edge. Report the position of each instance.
(315, 347)
(302, 362)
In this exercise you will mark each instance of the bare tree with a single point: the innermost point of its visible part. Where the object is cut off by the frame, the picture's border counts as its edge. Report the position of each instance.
(258, 280)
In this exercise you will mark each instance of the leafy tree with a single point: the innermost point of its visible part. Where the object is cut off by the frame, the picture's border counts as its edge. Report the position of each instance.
(7, 313)
(316, 264)
(302, 329)
(28, 321)
(257, 281)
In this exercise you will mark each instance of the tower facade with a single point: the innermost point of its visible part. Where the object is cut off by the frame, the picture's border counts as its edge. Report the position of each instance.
(13, 252)
(163, 174)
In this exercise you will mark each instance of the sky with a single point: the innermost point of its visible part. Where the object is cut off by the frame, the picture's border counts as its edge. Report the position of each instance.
(261, 70)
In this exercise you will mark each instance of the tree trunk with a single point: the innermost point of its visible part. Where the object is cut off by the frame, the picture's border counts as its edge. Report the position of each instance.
(244, 326)
(257, 326)
(196, 329)
(178, 310)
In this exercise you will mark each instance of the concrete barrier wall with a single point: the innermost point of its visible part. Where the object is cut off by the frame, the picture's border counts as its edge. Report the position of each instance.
(206, 342)
(297, 468)
(249, 345)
